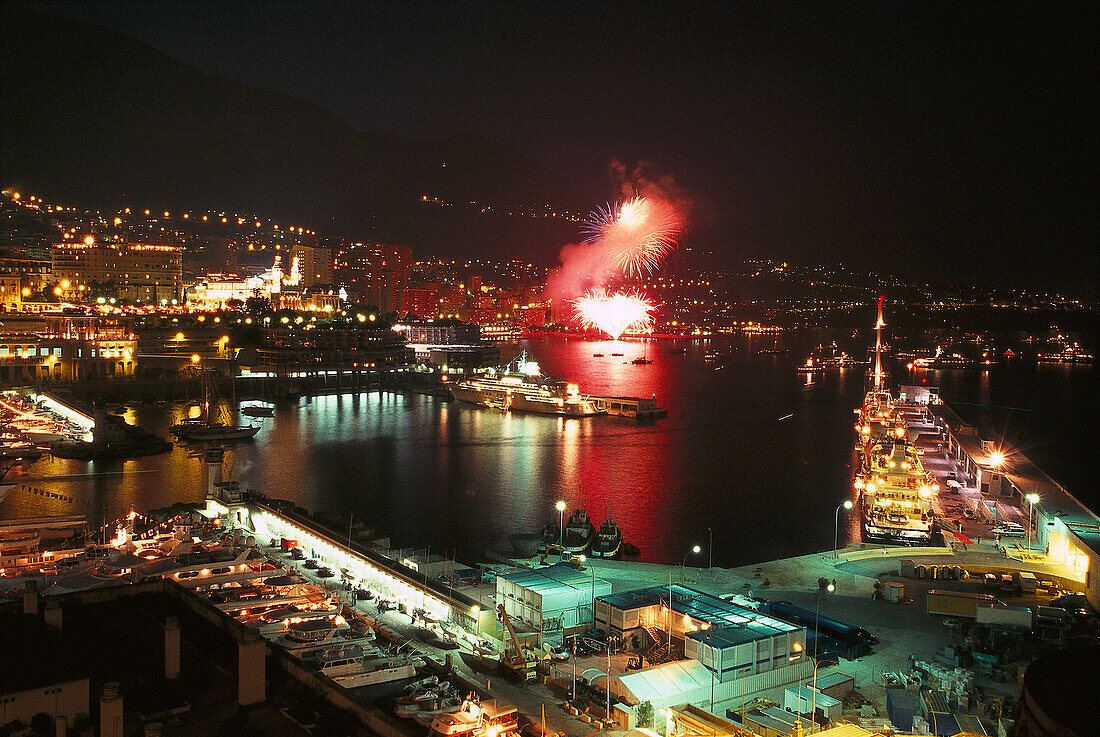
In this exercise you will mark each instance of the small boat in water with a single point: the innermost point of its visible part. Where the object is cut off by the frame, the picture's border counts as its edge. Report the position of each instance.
(597, 355)
(641, 361)
(579, 532)
(258, 410)
(609, 540)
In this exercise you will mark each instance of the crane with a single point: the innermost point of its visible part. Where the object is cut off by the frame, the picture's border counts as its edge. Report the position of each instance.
(514, 657)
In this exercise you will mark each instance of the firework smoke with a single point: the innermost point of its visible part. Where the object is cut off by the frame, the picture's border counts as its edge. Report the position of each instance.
(638, 233)
(628, 238)
(614, 314)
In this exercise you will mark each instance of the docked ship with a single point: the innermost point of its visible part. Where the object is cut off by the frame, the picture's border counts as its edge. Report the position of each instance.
(895, 494)
(878, 416)
(208, 426)
(521, 387)
(608, 542)
(579, 532)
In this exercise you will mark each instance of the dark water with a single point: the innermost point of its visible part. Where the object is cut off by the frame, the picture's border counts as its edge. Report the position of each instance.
(750, 450)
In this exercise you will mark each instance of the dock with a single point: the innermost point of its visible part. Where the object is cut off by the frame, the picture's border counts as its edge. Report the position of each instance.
(637, 407)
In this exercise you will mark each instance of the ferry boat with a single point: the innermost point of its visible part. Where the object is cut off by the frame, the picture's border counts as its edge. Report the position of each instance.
(522, 387)
(895, 494)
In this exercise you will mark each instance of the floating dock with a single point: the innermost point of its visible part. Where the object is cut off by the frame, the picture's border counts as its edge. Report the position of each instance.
(638, 407)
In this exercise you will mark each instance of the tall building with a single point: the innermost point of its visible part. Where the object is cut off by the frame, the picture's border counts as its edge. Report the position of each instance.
(423, 304)
(137, 271)
(376, 272)
(315, 265)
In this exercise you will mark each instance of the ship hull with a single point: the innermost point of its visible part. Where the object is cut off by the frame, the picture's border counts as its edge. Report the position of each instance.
(520, 403)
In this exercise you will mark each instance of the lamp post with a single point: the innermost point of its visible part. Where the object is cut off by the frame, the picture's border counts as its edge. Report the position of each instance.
(713, 669)
(813, 698)
(836, 524)
(710, 548)
(817, 614)
(1032, 499)
(560, 506)
(695, 549)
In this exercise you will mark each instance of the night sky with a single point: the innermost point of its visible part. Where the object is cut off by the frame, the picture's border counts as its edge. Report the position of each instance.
(899, 135)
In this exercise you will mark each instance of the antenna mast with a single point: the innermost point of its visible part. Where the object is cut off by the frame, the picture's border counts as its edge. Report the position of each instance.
(879, 325)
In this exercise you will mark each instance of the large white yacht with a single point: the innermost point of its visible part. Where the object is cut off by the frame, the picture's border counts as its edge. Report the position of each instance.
(896, 493)
(521, 387)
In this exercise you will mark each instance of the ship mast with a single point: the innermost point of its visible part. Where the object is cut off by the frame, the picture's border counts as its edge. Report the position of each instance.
(879, 325)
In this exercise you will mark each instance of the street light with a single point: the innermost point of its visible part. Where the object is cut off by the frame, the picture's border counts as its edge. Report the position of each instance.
(695, 549)
(560, 506)
(1032, 500)
(836, 524)
(710, 548)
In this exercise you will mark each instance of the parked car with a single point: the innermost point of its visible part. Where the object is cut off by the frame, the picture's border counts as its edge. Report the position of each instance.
(953, 486)
(558, 652)
(576, 644)
(1007, 530)
(1075, 604)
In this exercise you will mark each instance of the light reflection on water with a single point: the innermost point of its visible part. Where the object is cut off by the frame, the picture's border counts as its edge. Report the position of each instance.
(454, 477)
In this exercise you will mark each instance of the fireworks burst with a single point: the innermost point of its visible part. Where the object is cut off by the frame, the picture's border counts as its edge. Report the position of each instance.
(639, 232)
(614, 314)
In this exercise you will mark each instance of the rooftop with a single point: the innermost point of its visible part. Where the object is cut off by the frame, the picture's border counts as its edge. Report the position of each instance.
(551, 578)
(731, 623)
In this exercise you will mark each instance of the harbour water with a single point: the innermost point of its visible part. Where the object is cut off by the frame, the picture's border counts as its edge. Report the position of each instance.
(751, 450)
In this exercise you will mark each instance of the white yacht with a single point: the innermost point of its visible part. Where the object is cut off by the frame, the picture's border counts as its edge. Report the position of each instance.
(522, 387)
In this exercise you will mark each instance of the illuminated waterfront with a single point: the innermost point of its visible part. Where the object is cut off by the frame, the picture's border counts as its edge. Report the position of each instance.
(429, 472)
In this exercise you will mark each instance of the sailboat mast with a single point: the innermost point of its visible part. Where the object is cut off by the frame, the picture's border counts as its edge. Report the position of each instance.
(879, 325)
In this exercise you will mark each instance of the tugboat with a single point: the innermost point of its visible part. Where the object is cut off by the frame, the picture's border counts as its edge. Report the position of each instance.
(609, 540)
(579, 532)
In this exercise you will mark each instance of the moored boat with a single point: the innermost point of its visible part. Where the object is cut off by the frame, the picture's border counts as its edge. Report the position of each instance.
(521, 387)
(608, 542)
(579, 532)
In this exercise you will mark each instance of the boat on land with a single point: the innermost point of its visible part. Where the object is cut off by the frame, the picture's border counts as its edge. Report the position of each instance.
(520, 386)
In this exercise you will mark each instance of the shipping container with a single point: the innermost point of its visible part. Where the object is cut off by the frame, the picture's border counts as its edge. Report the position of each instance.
(1017, 617)
(1026, 582)
(958, 603)
(901, 706)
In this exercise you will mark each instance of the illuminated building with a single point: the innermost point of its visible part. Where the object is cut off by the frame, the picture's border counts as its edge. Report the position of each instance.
(376, 272)
(138, 271)
(65, 348)
(420, 303)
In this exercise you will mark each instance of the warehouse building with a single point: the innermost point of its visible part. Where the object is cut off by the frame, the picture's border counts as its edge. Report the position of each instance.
(554, 601)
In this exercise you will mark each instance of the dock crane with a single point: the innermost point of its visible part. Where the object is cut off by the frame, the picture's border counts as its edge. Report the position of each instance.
(516, 658)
